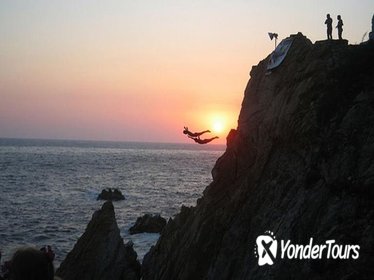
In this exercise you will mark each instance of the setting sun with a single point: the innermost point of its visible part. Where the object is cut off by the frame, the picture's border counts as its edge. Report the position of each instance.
(218, 126)
(218, 120)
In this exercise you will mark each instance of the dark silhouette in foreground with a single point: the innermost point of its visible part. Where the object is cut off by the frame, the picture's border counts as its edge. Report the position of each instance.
(194, 134)
(328, 22)
(340, 27)
(203, 141)
(30, 263)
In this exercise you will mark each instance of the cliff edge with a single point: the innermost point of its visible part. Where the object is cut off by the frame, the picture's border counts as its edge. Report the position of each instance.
(300, 164)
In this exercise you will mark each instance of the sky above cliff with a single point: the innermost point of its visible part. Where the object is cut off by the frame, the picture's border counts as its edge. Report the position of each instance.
(141, 70)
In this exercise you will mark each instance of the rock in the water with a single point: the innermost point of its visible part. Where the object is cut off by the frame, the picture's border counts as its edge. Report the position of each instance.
(111, 194)
(148, 223)
(299, 164)
(100, 253)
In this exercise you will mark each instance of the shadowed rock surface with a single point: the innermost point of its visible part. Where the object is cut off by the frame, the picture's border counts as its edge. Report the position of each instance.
(300, 163)
(148, 223)
(111, 194)
(100, 252)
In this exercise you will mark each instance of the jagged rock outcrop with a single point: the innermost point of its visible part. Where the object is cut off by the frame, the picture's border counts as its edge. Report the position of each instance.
(148, 223)
(300, 163)
(111, 194)
(100, 252)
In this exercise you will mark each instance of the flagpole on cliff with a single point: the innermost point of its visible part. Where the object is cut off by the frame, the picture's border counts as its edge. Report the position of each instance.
(275, 36)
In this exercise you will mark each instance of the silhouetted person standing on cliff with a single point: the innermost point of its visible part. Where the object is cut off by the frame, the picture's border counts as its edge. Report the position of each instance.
(328, 23)
(194, 134)
(202, 141)
(340, 27)
(371, 34)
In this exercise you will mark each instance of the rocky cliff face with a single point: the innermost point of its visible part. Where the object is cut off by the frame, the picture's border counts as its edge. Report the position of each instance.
(100, 252)
(299, 164)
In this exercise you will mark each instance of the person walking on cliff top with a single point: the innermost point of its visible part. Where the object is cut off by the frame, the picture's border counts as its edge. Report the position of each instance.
(328, 22)
(194, 134)
(371, 34)
(340, 27)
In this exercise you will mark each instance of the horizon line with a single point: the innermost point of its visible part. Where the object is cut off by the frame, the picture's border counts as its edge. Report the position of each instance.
(108, 141)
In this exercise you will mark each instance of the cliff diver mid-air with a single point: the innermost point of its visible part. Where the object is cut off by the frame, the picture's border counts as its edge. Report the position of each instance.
(196, 136)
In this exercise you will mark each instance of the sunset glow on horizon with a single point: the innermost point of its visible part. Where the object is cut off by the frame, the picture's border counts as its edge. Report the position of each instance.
(141, 70)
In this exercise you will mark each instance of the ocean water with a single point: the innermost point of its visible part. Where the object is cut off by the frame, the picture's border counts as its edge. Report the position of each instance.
(48, 188)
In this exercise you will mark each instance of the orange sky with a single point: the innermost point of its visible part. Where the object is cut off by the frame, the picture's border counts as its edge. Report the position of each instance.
(141, 70)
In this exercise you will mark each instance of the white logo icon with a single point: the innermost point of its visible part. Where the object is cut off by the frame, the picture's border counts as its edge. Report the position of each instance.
(266, 246)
